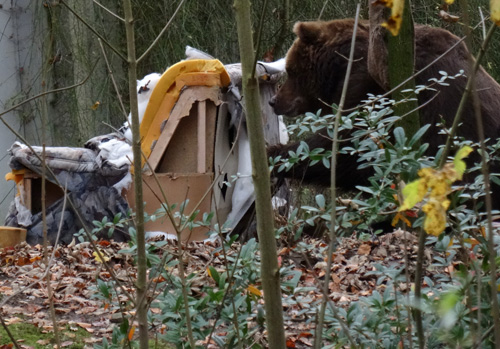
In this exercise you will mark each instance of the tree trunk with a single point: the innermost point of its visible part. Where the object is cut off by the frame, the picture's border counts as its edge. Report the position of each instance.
(260, 175)
(141, 286)
(391, 60)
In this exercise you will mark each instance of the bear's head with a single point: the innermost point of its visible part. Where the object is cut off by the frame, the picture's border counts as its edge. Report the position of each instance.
(316, 66)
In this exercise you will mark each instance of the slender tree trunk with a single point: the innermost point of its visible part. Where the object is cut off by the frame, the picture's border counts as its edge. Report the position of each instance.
(260, 174)
(391, 60)
(390, 65)
(136, 145)
(401, 62)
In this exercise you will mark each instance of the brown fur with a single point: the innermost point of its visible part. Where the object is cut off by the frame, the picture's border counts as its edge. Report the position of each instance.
(316, 66)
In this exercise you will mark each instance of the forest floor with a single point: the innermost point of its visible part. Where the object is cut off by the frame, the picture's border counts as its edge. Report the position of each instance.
(24, 297)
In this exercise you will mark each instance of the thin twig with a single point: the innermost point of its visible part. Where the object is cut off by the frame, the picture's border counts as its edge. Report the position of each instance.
(45, 93)
(417, 312)
(50, 293)
(6, 328)
(111, 75)
(465, 96)
(388, 93)
(438, 58)
(492, 254)
(161, 33)
(333, 234)
(259, 36)
(341, 321)
(108, 11)
(91, 28)
(322, 9)
(74, 208)
(141, 282)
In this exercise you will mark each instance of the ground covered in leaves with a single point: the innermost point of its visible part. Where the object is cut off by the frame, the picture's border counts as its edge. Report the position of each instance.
(74, 270)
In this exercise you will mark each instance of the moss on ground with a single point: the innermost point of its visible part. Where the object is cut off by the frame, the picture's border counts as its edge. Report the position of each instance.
(32, 336)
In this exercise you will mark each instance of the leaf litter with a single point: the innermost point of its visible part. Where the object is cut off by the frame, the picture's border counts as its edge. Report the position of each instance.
(74, 270)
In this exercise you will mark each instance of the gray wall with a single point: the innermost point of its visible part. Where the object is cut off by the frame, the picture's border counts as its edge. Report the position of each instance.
(15, 40)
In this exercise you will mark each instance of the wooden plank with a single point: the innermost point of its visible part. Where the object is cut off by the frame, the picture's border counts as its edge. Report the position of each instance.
(181, 155)
(182, 108)
(202, 137)
(211, 120)
(177, 188)
(163, 141)
(167, 86)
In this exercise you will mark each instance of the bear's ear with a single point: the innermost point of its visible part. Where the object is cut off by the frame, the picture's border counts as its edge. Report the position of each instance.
(309, 32)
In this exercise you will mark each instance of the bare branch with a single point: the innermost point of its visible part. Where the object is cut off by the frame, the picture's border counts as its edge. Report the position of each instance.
(115, 85)
(80, 18)
(333, 234)
(109, 11)
(43, 94)
(161, 33)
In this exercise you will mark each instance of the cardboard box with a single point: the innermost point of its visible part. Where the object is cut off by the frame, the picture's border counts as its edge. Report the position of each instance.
(10, 236)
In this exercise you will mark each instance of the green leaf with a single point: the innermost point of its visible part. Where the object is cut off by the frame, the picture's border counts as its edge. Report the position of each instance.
(365, 189)
(124, 326)
(411, 195)
(458, 162)
(320, 201)
(416, 137)
(215, 274)
(447, 306)
(399, 134)
(103, 287)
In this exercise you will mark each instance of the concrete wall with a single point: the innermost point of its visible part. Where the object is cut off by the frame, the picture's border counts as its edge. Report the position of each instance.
(15, 40)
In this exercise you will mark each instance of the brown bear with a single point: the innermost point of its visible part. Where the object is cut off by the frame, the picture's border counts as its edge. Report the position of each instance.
(316, 66)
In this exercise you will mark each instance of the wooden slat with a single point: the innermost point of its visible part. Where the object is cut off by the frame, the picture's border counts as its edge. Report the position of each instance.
(187, 98)
(211, 121)
(202, 137)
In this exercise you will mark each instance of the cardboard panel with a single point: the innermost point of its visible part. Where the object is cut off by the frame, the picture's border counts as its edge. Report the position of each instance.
(177, 189)
(184, 107)
(181, 155)
(167, 92)
(32, 184)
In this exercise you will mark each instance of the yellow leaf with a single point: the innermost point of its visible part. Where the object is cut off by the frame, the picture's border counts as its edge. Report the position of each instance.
(400, 216)
(450, 243)
(131, 333)
(396, 219)
(458, 162)
(407, 221)
(254, 290)
(495, 11)
(98, 259)
(96, 105)
(412, 195)
(209, 273)
(473, 242)
(449, 2)
(393, 24)
(483, 232)
(386, 3)
(437, 185)
(435, 217)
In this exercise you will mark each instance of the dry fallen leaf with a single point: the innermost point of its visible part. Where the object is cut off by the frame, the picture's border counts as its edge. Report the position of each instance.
(364, 249)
